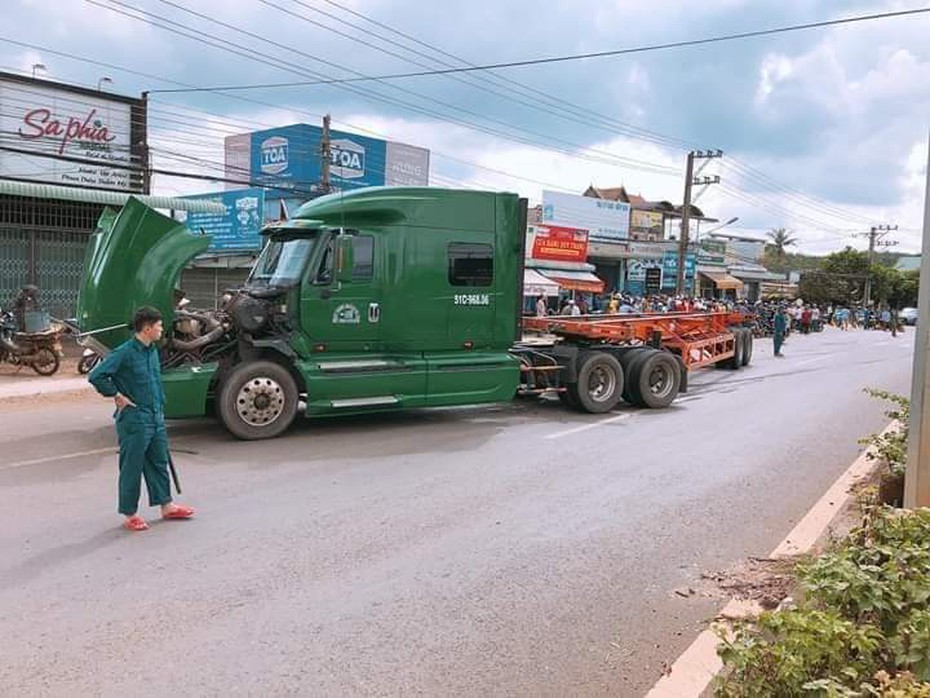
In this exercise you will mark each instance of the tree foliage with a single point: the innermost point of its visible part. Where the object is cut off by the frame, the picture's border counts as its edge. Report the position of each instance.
(780, 239)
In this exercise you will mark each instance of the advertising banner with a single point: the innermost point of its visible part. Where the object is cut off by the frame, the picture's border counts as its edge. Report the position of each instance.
(44, 125)
(712, 252)
(239, 228)
(288, 161)
(670, 271)
(561, 244)
(650, 222)
(604, 220)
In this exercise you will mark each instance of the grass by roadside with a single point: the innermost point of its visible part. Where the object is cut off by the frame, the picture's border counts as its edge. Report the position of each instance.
(860, 621)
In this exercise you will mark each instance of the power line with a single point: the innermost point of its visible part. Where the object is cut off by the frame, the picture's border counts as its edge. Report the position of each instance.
(205, 38)
(578, 56)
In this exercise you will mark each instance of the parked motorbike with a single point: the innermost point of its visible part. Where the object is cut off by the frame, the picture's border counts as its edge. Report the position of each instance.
(89, 359)
(40, 350)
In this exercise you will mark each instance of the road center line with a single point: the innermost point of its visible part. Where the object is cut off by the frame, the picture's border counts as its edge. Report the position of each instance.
(586, 427)
(50, 459)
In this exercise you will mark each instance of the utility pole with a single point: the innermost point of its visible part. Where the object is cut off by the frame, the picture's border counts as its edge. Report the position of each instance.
(917, 475)
(876, 236)
(685, 235)
(145, 154)
(326, 155)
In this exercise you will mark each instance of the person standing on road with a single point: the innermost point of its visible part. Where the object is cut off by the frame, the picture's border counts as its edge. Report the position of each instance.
(131, 375)
(781, 326)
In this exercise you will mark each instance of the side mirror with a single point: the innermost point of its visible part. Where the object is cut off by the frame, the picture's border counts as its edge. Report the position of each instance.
(345, 258)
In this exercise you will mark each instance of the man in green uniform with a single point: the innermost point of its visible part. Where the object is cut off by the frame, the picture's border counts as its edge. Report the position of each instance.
(781, 326)
(131, 375)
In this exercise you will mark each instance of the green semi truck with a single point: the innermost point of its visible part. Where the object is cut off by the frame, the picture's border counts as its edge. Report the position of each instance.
(371, 300)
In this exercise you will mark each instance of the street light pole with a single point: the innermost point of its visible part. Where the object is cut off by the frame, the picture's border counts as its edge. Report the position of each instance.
(917, 475)
(38, 66)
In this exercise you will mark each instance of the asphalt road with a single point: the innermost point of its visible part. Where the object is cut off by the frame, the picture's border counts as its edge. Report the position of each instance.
(509, 550)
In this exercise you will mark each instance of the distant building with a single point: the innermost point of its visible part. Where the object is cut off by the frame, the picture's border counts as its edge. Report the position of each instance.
(908, 263)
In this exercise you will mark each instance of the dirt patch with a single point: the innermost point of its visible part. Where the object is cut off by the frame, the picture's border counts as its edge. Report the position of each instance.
(45, 400)
(765, 581)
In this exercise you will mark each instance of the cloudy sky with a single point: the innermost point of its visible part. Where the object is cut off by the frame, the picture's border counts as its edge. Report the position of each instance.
(824, 131)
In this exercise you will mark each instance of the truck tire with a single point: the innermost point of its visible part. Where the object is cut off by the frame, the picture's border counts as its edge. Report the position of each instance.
(600, 382)
(258, 400)
(627, 359)
(735, 361)
(747, 346)
(655, 379)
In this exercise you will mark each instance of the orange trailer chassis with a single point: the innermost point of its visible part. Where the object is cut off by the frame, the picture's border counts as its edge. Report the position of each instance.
(700, 339)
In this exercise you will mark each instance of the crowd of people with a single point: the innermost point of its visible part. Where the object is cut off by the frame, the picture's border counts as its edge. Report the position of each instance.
(800, 317)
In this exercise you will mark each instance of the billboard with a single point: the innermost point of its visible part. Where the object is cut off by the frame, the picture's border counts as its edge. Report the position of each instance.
(68, 136)
(239, 228)
(651, 223)
(604, 220)
(560, 244)
(288, 161)
(670, 271)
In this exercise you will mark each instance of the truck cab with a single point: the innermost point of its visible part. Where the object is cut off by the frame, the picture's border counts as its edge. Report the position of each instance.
(377, 299)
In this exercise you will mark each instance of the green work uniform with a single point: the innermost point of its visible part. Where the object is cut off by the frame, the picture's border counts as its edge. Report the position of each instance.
(134, 370)
(781, 325)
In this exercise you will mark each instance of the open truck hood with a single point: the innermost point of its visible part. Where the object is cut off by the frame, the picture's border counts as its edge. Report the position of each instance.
(133, 259)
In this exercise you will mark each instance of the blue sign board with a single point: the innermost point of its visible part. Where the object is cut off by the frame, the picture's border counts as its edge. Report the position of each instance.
(240, 227)
(288, 160)
(670, 271)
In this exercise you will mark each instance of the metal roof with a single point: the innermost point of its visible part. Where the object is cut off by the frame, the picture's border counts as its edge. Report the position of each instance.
(108, 198)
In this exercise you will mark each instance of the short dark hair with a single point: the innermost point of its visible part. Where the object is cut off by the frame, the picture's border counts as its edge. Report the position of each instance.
(144, 317)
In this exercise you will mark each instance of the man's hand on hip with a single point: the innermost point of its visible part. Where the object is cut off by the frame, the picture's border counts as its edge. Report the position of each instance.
(122, 402)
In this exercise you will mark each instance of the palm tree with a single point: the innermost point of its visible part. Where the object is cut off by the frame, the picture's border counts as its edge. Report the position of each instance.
(781, 239)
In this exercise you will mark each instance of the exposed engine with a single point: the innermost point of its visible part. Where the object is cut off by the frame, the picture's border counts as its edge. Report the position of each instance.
(203, 336)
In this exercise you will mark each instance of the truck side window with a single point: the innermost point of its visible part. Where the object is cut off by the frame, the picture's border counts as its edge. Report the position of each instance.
(364, 253)
(471, 264)
(324, 274)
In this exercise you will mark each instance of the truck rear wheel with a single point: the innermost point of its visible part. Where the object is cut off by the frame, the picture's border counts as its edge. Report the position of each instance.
(258, 400)
(655, 379)
(735, 361)
(747, 346)
(627, 359)
(600, 383)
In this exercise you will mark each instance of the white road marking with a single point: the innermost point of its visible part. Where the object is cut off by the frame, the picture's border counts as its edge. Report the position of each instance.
(50, 459)
(693, 671)
(586, 427)
(813, 361)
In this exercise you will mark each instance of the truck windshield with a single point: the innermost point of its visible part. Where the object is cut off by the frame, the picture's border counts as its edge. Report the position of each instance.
(282, 261)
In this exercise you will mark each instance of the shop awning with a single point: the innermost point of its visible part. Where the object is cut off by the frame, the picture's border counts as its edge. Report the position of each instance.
(535, 283)
(583, 281)
(722, 280)
(109, 198)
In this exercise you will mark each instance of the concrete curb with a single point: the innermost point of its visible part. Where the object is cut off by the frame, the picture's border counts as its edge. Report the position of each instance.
(696, 667)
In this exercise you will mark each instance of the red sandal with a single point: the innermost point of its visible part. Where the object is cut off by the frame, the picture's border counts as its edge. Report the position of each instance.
(179, 512)
(135, 523)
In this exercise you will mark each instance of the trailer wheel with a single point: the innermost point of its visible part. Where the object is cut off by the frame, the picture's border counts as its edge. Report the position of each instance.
(627, 359)
(258, 400)
(747, 346)
(735, 361)
(655, 380)
(600, 383)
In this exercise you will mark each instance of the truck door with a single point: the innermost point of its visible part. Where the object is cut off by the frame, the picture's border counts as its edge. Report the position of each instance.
(346, 316)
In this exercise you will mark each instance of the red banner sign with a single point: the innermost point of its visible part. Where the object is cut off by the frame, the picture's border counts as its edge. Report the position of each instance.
(560, 244)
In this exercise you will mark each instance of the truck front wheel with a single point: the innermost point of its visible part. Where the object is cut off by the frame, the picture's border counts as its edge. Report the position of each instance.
(258, 400)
